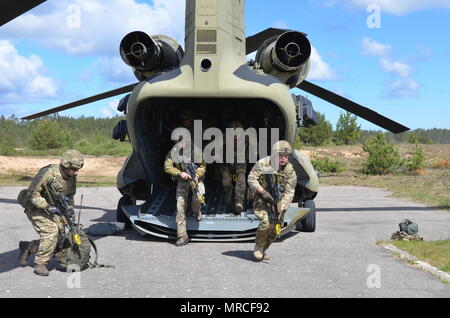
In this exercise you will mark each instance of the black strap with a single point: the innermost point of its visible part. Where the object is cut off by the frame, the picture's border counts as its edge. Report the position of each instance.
(95, 263)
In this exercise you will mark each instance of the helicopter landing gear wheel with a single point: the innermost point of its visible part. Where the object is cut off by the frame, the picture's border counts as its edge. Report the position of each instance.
(308, 224)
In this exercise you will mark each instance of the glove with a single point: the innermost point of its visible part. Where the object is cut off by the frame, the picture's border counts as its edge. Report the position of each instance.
(266, 196)
(53, 210)
(71, 213)
(280, 208)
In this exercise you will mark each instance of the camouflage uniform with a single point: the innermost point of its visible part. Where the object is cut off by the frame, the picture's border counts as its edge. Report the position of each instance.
(235, 172)
(403, 236)
(43, 216)
(182, 193)
(408, 232)
(47, 225)
(286, 178)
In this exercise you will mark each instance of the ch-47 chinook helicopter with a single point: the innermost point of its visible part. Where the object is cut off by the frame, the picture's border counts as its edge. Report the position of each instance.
(211, 76)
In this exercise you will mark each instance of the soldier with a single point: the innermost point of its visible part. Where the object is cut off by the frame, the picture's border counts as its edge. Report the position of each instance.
(286, 180)
(184, 186)
(186, 116)
(45, 217)
(235, 172)
(269, 119)
(225, 116)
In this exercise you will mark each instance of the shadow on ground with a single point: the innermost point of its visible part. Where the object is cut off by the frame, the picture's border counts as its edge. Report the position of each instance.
(10, 260)
(242, 254)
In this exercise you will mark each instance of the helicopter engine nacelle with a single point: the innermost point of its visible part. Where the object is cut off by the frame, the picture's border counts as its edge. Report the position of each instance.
(149, 56)
(286, 57)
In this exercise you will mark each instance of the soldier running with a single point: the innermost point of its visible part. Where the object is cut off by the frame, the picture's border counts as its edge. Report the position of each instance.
(45, 217)
(285, 179)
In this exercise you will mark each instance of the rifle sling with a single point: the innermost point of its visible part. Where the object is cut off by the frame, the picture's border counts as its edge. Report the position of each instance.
(95, 263)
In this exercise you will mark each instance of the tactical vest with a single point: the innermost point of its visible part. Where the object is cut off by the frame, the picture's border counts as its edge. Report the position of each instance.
(281, 177)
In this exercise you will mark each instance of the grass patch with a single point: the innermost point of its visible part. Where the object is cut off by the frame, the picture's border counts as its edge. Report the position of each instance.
(436, 253)
(325, 164)
(13, 180)
(16, 179)
(96, 181)
(430, 185)
(433, 190)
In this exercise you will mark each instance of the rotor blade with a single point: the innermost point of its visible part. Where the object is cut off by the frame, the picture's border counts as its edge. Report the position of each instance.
(11, 9)
(353, 107)
(252, 43)
(114, 92)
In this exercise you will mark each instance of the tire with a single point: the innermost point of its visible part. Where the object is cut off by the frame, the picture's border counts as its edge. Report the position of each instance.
(308, 224)
(120, 215)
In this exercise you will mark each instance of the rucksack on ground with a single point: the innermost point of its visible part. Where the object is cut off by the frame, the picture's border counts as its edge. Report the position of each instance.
(73, 256)
(408, 227)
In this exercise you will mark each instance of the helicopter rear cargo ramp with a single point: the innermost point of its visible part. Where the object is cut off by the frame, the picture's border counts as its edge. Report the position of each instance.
(213, 227)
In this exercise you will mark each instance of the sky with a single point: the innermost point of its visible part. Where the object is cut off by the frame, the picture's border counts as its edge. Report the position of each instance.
(391, 56)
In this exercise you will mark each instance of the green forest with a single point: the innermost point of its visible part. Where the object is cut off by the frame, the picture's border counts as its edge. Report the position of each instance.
(348, 132)
(53, 135)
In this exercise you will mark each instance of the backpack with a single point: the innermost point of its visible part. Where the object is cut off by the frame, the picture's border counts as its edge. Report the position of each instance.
(78, 257)
(101, 229)
(72, 254)
(22, 198)
(408, 227)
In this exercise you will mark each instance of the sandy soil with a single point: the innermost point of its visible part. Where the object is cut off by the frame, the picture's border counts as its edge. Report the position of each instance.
(109, 166)
(93, 166)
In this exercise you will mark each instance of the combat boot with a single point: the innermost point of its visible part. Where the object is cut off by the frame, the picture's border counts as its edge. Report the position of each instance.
(238, 208)
(258, 253)
(24, 253)
(41, 270)
(182, 241)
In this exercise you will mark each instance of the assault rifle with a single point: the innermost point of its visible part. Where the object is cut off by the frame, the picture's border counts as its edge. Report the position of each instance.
(274, 191)
(60, 201)
(190, 169)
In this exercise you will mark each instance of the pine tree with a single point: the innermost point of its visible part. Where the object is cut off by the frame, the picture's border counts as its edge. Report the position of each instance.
(383, 157)
(48, 134)
(317, 135)
(347, 129)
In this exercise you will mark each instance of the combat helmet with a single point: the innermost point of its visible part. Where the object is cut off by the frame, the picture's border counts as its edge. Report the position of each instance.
(72, 159)
(282, 147)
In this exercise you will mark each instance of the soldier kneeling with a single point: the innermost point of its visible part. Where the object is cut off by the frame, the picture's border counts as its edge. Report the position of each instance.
(45, 217)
